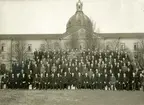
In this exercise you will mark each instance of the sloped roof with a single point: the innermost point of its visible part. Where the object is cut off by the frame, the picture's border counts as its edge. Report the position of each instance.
(121, 35)
(60, 36)
(30, 36)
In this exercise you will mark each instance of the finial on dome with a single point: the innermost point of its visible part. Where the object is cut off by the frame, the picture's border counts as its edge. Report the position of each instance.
(79, 5)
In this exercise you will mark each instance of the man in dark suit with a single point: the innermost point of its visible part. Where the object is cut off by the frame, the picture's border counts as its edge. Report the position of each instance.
(106, 83)
(47, 81)
(93, 82)
(29, 82)
(12, 81)
(86, 81)
(79, 81)
(53, 81)
(23, 77)
(119, 82)
(125, 82)
(36, 81)
(133, 81)
(65, 81)
(100, 84)
(59, 81)
(17, 81)
(41, 81)
(72, 81)
(143, 83)
(4, 82)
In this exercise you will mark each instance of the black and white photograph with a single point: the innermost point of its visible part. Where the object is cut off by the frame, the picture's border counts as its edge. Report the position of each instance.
(71, 52)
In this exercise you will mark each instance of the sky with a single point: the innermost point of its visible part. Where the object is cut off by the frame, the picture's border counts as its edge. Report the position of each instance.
(51, 16)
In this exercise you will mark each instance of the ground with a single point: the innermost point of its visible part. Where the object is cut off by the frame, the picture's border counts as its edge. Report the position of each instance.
(70, 97)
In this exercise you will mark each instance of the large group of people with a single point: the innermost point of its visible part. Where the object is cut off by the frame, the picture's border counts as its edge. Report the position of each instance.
(74, 69)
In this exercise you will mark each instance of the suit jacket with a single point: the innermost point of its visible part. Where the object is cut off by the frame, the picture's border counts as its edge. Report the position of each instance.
(4, 80)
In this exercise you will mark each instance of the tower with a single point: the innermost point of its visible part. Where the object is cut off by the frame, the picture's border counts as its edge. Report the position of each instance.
(79, 6)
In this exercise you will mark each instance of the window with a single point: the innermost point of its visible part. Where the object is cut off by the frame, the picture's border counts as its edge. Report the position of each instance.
(42, 47)
(29, 47)
(122, 46)
(3, 47)
(3, 56)
(16, 47)
(135, 46)
(107, 47)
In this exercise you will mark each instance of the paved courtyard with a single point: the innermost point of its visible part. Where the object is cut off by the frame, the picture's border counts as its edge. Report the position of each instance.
(70, 97)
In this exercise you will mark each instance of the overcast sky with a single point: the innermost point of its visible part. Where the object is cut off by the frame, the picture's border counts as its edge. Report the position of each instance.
(51, 16)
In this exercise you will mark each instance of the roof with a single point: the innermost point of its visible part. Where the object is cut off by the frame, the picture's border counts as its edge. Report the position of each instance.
(30, 36)
(59, 36)
(121, 35)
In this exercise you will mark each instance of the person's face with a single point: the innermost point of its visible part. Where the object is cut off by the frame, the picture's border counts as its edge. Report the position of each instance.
(79, 74)
(128, 69)
(36, 75)
(86, 74)
(29, 76)
(12, 75)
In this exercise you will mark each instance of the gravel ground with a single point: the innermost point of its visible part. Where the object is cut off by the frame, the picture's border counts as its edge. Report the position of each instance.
(70, 97)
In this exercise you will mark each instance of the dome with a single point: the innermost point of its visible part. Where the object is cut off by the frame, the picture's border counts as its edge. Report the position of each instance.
(79, 20)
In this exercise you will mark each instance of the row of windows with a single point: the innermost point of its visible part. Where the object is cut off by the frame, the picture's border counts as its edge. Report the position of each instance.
(29, 48)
